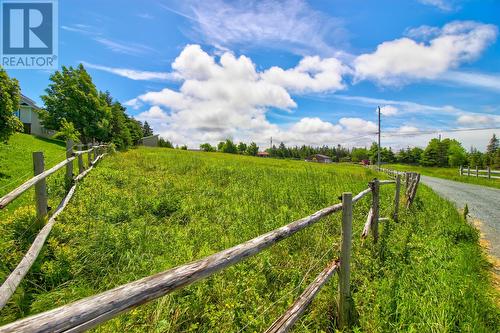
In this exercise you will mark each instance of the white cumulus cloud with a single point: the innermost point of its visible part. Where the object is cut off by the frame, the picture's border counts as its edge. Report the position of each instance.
(389, 110)
(404, 59)
(221, 97)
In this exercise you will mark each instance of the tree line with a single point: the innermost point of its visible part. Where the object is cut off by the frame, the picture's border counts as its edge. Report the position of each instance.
(75, 109)
(438, 153)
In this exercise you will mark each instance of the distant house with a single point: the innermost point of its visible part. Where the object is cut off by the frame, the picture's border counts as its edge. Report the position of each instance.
(365, 162)
(263, 154)
(29, 114)
(319, 158)
(150, 141)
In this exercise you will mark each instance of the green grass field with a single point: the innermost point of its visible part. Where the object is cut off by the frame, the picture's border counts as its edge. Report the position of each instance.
(447, 173)
(16, 166)
(148, 210)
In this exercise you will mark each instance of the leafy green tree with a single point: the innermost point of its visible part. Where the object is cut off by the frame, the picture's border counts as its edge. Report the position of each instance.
(73, 96)
(242, 148)
(359, 154)
(436, 153)
(373, 153)
(252, 149)
(135, 128)
(456, 154)
(229, 147)
(496, 159)
(415, 155)
(147, 130)
(67, 132)
(207, 147)
(9, 103)
(476, 158)
(165, 143)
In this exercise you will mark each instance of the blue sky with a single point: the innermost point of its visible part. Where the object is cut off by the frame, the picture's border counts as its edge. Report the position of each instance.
(302, 72)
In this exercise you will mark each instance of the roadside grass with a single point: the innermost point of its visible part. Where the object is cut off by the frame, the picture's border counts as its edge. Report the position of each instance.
(447, 173)
(148, 210)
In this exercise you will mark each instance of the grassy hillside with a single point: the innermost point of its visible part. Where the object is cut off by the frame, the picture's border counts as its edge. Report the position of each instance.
(447, 173)
(16, 166)
(147, 210)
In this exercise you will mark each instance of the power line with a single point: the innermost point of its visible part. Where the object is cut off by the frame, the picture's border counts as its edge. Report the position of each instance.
(434, 131)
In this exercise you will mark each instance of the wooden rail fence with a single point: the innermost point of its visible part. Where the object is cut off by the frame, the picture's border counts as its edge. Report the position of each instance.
(91, 311)
(476, 172)
(9, 286)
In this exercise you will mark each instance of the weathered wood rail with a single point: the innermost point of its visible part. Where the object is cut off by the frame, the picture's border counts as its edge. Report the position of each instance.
(476, 172)
(10, 284)
(94, 310)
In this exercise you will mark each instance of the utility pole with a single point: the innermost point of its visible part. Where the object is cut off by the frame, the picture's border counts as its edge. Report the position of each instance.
(271, 143)
(379, 148)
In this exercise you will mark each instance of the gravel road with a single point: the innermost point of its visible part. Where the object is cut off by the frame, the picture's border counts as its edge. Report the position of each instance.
(483, 203)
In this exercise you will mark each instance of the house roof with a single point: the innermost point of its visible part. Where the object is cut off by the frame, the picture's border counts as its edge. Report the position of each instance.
(29, 102)
(321, 156)
(151, 136)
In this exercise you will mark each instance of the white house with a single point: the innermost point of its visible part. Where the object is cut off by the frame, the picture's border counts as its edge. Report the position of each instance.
(28, 113)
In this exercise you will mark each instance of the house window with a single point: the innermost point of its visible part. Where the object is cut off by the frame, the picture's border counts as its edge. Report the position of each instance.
(18, 114)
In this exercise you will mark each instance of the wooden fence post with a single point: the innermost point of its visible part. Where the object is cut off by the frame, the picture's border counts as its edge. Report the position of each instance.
(468, 170)
(69, 166)
(407, 180)
(477, 171)
(40, 187)
(89, 154)
(81, 168)
(461, 170)
(489, 172)
(344, 303)
(375, 205)
(413, 191)
(95, 153)
(396, 198)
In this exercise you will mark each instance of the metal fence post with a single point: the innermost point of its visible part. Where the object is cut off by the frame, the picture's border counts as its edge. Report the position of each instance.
(344, 303)
(396, 198)
(69, 166)
(40, 187)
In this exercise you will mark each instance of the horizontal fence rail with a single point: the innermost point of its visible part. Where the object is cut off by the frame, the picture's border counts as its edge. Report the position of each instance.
(10, 285)
(94, 310)
(286, 321)
(476, 172)
(8, 198)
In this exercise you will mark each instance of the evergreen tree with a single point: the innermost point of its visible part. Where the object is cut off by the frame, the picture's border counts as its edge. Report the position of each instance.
(492, 145)
(242, 148)
(252, 149)
(146, 129)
